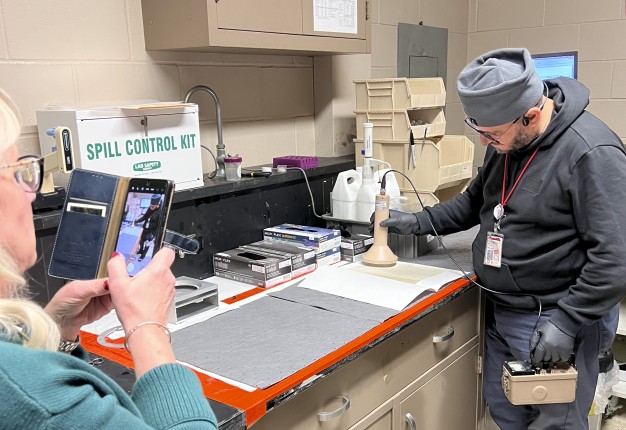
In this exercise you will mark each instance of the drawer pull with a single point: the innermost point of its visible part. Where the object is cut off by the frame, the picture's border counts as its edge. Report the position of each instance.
(410, 421)
(327, 416)
(447, 336)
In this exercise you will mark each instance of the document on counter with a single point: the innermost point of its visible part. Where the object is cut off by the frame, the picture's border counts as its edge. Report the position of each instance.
(391, 287)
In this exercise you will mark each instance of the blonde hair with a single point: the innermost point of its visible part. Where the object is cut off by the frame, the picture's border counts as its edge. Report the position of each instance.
(19, 317)
(10, 124)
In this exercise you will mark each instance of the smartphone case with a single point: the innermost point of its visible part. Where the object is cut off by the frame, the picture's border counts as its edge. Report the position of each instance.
(83, 238)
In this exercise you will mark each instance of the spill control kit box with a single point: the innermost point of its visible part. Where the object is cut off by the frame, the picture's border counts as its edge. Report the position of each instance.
(252, 267)
(322, 239)
(302, 257)
(151, 139)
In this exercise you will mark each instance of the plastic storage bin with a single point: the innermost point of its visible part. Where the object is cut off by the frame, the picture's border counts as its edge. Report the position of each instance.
(399, 93)
(408, 201)
(439, 163)
(396, 125)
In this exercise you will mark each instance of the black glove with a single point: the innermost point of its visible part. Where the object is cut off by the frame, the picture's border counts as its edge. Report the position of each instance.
(399, 222)
(550, 344)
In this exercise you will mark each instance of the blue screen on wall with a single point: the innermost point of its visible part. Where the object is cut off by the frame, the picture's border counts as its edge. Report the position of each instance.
(553, 65)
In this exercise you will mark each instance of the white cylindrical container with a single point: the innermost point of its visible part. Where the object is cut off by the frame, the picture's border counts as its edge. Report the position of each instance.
(344, 194)
(232, 167)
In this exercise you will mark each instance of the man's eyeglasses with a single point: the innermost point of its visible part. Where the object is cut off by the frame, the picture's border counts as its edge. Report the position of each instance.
(486, 135)
(541, 103)
(28, 172)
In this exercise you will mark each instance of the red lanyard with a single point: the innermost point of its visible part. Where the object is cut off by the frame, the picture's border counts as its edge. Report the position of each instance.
(504, 200)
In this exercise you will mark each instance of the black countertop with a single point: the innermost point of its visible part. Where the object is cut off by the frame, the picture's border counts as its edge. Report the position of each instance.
(216, 187)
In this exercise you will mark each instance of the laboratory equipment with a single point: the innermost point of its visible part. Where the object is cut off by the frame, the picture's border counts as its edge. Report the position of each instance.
(193, 296)
(380, 254)
(232, 167)
(368, 189)
(524, 384)
(301, 161)
(61, 158)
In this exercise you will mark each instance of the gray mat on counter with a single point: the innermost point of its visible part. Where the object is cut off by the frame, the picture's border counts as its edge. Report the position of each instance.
(334, 303)
(266, 340)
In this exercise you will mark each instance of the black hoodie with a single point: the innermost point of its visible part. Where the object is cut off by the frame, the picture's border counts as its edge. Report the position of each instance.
(565, 226)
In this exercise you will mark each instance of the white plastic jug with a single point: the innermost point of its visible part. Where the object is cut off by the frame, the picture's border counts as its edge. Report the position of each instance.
(366, 198)
(391, 186)
(344, 194)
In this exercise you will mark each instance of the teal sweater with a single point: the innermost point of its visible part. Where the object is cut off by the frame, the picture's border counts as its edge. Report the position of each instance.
(53, 390)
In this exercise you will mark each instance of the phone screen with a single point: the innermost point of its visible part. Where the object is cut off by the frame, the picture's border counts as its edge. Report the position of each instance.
(143, 222)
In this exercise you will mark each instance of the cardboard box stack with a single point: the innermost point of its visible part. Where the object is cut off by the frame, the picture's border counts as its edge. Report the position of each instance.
(354, 247)
(326, 242)
(399, 106)
(287, 251)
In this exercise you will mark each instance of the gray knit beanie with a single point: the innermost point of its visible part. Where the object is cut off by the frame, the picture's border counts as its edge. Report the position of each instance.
(499, 87)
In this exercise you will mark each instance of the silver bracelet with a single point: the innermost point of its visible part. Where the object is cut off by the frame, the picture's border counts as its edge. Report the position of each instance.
(145, 323)
(68, 346)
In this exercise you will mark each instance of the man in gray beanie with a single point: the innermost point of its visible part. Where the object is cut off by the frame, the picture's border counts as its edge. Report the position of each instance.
(550, 201)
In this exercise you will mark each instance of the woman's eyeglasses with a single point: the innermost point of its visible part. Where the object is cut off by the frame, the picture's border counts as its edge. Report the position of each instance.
(28, 172)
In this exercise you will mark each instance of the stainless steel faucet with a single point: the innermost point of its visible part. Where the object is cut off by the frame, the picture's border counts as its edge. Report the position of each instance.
(221, 149)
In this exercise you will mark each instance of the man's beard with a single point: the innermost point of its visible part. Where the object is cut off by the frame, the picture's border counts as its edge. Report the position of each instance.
(520, 140)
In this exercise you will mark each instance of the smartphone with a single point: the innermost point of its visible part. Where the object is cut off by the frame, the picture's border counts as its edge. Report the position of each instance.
(144, 220)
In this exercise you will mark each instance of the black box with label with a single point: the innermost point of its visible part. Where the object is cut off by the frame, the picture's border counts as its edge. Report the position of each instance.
(253, 267)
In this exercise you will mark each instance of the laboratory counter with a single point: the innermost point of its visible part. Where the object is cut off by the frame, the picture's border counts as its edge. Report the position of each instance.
(376, 381)
(221, 215)
(220, 186)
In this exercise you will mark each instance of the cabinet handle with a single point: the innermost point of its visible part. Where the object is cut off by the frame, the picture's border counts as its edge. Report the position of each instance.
(447, 336)
(410, 421)
(327, 416)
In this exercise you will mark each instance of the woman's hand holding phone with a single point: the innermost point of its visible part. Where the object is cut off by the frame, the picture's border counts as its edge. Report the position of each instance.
(78, 303)
(145, 297)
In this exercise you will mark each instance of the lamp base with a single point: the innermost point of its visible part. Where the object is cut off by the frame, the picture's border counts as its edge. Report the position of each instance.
(380, 256)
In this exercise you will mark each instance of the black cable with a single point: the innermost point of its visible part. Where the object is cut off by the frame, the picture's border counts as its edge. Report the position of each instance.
(440, 240)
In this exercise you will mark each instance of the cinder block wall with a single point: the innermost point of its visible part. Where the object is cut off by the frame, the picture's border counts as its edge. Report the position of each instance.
(596, 30)
(92, 52)
(269, 105)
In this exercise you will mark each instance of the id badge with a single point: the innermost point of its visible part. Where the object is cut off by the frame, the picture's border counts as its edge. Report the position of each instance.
(493, 249)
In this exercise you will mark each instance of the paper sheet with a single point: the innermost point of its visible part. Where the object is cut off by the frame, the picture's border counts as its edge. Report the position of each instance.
(404, 272)
(379, 289)
(338, 16)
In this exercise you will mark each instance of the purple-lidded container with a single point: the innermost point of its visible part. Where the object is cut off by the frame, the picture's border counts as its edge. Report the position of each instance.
(232, 167)
(301, 161)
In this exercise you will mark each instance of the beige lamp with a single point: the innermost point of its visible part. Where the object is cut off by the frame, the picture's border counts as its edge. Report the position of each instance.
(380, 254)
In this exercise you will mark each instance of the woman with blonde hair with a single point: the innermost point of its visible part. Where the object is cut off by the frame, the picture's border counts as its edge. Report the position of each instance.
(44, 380)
